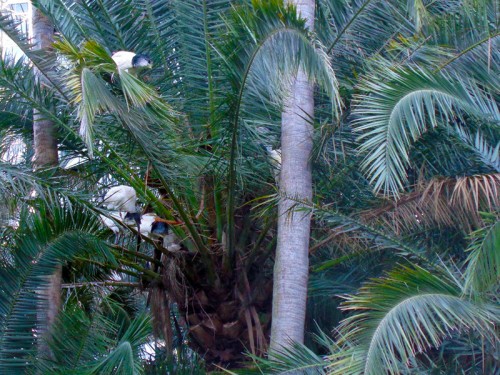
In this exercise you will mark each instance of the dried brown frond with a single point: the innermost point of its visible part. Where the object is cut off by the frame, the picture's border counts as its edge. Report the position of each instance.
(441, 202)
(172, 277)
(160, 310)
(344, 241)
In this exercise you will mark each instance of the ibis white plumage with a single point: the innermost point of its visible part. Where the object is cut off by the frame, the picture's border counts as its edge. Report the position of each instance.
(125, 60)
(155, 227)
(111, 224)
(121, 198)
(122, 201)
(275, 160)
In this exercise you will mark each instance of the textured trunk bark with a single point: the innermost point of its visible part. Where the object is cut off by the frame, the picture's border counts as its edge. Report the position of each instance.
(292, 260)
(43, 129)
(45, 144)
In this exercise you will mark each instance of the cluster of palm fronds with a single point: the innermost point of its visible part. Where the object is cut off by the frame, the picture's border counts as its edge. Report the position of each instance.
(405, 254)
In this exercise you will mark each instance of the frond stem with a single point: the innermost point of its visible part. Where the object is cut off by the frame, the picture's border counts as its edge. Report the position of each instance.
(468, 49)
(342, 32)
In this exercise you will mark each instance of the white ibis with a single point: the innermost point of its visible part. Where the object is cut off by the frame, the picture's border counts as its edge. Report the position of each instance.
(275, 161)
(111, 224)
(125, 60)
(122, 200)
(157, 228)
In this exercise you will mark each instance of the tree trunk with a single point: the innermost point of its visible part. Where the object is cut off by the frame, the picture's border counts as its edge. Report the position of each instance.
(43, 129)
(45, 145)
(292, 260)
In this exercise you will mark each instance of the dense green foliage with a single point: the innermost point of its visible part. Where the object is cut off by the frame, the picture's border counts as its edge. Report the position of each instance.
(405, 254)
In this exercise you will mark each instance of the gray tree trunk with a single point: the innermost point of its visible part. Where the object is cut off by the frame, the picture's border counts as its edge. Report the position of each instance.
(43, 129)
(292, 258)
(45, 145)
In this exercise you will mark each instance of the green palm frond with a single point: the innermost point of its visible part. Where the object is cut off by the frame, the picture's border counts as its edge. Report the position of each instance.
(271, 42)
(471, 33)
(96, 336)
(92, 94)
(398, 106)
(29, 189)
(355, 31)
(118, 26)
(359, 230)
(295, 359)
(21, 91)
(408, 312)
(124, 357)
(483, 263)
(44, 61)
(198, 72)
(488, 154)
(62, 15)
(95, 98)
(39, 248)
(424, 13)
(77, 339)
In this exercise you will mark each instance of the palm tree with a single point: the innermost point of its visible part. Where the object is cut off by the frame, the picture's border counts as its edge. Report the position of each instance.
(46, 155)
(291, 266)
(199, 123)
(442, 184)
(190, 136)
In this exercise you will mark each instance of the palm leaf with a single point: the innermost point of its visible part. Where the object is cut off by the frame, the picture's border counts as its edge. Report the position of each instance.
(271, 42)
(397, 107)
(401, 315)
(453, 202)
(62, 15)
(198, 72)
(295, 359)
(44, 61)
(77, 339)
(488, 154)
(44, 245)
(483, 263)
(360, 230)
(124, 358)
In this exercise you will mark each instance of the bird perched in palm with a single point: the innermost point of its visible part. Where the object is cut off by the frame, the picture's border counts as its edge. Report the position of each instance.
(122, 199)
(155, 227)
(126, 60)
(159, 229)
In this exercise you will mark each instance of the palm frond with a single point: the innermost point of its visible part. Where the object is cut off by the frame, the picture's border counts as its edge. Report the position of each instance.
(397, 107)
(63, 16)
(198, 65)
(95, 97)
(77, 339)
(21, 91)
(296, 358)
(488, 154)
(483, 263)
(42, 246)
(454, 202)
(124, 358)
(401, 315)
(358, 229)
(44, 61)
(272, 42)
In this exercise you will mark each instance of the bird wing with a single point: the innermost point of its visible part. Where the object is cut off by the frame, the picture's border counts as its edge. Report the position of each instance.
(121, 198)
(110, 224)
(123, 59)
(146, 222)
